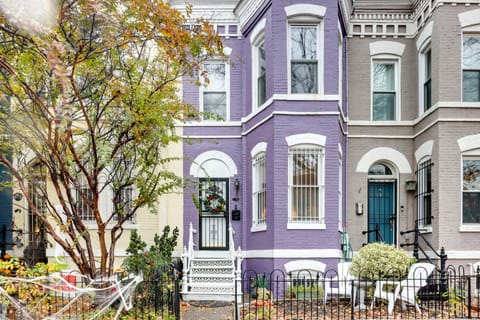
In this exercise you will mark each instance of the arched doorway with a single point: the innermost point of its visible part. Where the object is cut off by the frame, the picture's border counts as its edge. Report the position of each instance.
(214, 171)
(382, 204)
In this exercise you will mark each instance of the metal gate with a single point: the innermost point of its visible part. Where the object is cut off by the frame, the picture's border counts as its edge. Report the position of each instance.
(214, 220)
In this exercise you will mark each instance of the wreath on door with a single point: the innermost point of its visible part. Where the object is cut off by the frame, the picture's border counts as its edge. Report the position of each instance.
(214, 202)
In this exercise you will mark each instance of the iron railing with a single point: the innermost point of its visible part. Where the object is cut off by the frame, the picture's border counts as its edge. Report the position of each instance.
(276, 296)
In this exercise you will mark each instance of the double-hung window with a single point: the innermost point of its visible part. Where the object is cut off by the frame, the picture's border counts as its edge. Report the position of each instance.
(306, 184)
(471, 67)
(84, 198)
(424, 192)
(471, 189)
(215, 91)
(385, 90)
(304, 58)
(125, 203)
(123, 189)
(259, 190)
(427, 79)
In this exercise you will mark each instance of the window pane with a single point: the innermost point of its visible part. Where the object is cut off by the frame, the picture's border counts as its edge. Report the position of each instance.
(471, 85)
(304, 77)
(427, 95)
(428, 64)
(383, 106)
(379, 169)
(261, 76)
(215, 102)
(471, 207)
(471, 175)
(304, 42)
(384, 77)
(471, 52)
(261, 60)
(261, 90)
(216, 76)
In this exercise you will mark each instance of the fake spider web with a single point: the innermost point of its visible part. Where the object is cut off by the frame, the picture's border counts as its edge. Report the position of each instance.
(56, 296)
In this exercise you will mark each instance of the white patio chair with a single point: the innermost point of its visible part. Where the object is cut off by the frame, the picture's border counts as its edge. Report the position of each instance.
(343, 282)
(405, 290)
(307, 272)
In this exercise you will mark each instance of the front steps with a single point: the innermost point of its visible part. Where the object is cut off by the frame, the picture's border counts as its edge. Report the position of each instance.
(210, 278)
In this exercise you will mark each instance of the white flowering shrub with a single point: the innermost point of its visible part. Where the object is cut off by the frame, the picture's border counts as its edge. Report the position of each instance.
(381, 261)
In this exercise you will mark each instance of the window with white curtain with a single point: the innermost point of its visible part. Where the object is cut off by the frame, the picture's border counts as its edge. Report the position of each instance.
(259, 190)
(306, 184)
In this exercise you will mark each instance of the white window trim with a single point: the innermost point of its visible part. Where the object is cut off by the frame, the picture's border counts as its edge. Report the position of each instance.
(340, 68)
(259, 148)
(396, 61)
(340, 189)
(227, 89)
(319, 141)
(256, 39)
(320, 56)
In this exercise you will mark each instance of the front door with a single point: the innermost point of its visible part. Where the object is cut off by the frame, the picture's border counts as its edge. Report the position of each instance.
(214, 222)
(382, 218)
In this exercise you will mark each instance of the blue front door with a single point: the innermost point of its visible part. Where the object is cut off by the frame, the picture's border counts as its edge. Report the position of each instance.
(382, 218)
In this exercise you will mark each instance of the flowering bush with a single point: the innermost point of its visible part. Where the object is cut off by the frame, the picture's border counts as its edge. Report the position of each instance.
(381, 261)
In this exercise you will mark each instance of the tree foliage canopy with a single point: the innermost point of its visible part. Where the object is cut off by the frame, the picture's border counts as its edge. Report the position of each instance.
(90, 104)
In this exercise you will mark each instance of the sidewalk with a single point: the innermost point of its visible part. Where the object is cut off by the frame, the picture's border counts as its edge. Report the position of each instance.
(206, 310)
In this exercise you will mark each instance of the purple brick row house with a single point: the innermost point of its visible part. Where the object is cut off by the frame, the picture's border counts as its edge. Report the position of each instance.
(273, 167)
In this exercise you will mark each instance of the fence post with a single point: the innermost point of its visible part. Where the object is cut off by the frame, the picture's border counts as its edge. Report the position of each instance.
(236, 315)
(477, 278)
(443, 270)
(469, 288)
(176, 302)
(352, 295)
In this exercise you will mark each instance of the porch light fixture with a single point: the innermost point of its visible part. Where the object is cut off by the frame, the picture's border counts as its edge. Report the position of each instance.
(358, 208)
(236, 184)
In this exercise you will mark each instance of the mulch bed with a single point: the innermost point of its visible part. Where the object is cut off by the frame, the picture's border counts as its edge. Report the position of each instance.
(291, 309)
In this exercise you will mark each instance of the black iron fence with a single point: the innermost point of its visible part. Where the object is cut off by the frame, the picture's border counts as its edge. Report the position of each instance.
(280, 296)
(73, 296)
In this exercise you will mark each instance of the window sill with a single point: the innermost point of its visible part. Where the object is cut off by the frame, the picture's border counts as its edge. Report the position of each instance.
(474, 227)
(425, 229)
(258, 227)
(305, 97)
(126, 226)
(306, 226)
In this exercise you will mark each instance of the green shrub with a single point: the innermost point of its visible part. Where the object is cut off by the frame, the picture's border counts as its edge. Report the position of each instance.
(381, 261)
(147, 262)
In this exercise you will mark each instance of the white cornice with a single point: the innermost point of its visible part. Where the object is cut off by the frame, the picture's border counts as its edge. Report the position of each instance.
(376, 23)
(246, 9)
